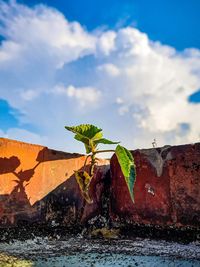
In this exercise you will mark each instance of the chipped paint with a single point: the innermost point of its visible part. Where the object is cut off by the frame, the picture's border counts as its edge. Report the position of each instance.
(157, 158)
(150, 189)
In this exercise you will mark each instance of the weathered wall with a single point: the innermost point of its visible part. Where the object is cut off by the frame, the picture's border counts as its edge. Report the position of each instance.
(167, 189)
(37, 184)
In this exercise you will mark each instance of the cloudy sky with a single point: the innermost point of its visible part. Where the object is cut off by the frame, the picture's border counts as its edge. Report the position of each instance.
(131, 67)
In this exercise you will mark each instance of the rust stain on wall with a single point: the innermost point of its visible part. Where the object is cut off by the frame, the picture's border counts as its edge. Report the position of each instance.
(167, 189)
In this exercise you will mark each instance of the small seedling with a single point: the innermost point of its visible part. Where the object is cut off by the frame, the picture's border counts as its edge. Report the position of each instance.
(91, 136)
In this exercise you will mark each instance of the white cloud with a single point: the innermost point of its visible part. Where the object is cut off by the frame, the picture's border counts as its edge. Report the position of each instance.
(106, 43)
(87, 97)
(158, 84)
(131, 42)
(50, 66)
(109, 69)
(29, 94)
(45, 31)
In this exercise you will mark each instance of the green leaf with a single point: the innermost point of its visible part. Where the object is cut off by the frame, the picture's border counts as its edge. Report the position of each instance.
(97, 136)
(88, 149)
(105, 141)
(87, 134)
(127, 165)
(82, 139)
(87, 131)
(86, 142)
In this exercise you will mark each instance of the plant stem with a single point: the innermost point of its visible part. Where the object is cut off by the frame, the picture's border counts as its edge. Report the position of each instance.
(93, 161)
(86, 161)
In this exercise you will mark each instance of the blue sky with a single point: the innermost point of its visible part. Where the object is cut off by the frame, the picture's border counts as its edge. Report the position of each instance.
(173, 22)
(132, 67)
(7, 115)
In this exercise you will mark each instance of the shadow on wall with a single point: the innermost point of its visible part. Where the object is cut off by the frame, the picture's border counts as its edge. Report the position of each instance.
(9, 165)
(65, 204)
(59, 196)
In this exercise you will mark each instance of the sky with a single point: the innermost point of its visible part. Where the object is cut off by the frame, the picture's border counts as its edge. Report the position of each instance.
(131, 67)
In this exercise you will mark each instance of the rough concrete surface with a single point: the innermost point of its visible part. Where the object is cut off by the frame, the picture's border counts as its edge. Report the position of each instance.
(86, 252)
(167, 189)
